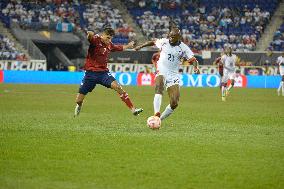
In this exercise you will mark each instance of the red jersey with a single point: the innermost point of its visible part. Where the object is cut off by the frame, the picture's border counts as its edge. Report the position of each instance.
(98, 54)
(220, 65)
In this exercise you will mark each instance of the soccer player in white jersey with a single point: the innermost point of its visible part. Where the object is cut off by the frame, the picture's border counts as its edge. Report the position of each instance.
(172, 52)
(280, 62)
(229, 62)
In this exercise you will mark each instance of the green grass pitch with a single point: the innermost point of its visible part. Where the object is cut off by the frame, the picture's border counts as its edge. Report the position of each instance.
(205, 144)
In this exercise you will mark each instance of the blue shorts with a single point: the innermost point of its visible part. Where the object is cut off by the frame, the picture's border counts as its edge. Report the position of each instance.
(91, 79)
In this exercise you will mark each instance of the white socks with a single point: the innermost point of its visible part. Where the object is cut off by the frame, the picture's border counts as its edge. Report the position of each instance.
(281, 86)
(230, 86)
(223, 91)
(157, 106)
(168, 111)
(157, 102)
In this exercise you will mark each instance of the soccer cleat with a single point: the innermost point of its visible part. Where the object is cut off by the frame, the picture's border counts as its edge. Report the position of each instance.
(77, 110)
(137, 111)
(223, 99)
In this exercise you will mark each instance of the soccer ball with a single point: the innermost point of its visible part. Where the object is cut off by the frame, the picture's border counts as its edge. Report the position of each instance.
(154, 122)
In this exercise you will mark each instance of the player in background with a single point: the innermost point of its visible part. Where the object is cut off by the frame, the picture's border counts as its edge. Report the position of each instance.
(155, 58)
(172, 51)
(220, 66)
(96, 71)
(280, 62)
(229, 62)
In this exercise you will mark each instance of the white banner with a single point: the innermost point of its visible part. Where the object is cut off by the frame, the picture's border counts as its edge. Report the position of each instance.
(32, 65)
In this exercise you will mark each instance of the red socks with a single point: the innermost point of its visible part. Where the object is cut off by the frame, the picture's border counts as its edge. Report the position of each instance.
(125, 98)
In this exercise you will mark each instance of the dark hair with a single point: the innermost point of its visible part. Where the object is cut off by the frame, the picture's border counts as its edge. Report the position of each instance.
(172, 25)
(109, 31)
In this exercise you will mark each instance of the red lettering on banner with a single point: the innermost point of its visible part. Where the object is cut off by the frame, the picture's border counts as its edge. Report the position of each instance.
(146, 79)
(1, 76)
(240, 81)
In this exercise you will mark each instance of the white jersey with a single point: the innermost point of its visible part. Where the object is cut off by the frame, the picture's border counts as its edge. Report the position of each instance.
(280, 62)
(229, 62)
(170, 56)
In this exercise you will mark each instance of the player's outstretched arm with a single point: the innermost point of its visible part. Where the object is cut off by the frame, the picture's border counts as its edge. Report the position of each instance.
(216, 62)
(130, 45)
(146, 44)
(195, 64)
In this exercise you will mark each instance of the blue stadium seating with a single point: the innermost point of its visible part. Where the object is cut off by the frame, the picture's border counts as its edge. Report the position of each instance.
(177, 14)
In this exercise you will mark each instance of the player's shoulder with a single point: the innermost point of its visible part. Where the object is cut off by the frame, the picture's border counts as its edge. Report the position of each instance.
(184, 46)
(161, 39)
(96, 37)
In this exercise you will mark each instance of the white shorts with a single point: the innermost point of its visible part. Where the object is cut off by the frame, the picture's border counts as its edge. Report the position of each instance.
(227, 76)
(170, 79)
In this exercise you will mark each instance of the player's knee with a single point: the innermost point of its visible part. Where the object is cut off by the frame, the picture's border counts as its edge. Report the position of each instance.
(232, 82)
(159, 90)
(117, 87)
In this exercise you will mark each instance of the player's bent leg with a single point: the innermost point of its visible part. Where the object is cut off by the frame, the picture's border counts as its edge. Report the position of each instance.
(125, 98)
(223, 91)
(159, 89)
(79, 101)
(230, 87)
(279, 88)
(174, 94)
(87, 85)
(224, 82)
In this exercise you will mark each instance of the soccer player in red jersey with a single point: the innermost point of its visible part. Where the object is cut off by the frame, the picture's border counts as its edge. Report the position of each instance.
(220, 65)
(155, 58)
(96, 71)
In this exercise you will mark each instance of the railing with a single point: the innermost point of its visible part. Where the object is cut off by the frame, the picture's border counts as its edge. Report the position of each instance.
(33, 50)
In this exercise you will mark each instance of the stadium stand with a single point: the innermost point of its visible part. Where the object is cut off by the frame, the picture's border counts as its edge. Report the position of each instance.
(98, 14)
(219, 23)
(65, 16)
(8, 50)
(38, 15)
(205, 24)
(278, 39)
